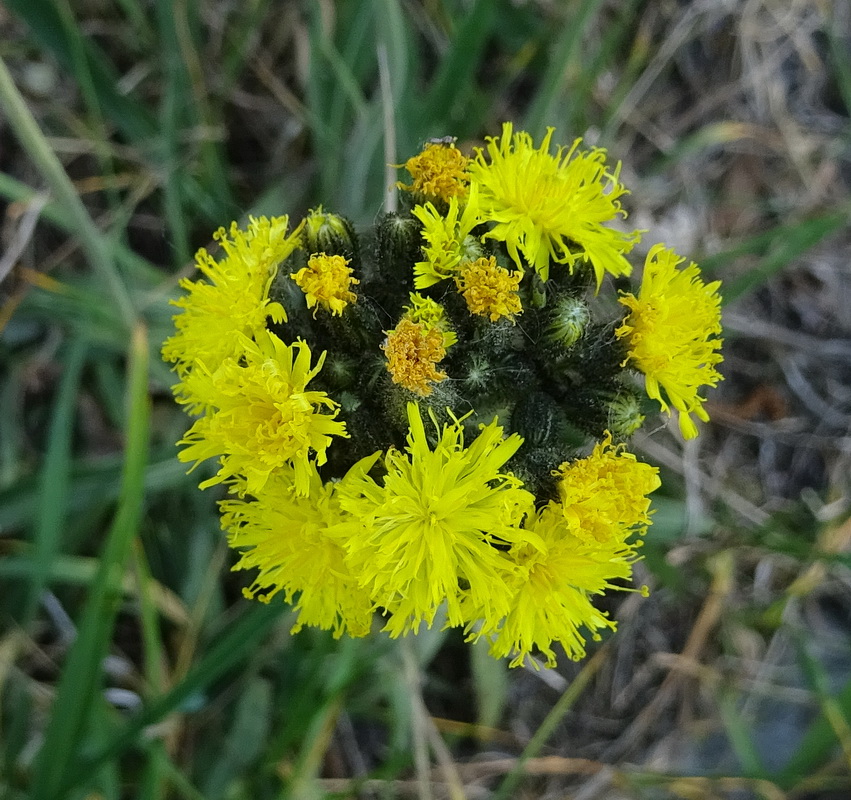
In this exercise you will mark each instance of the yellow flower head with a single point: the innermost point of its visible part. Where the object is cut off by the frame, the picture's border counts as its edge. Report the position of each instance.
(552, 207)
(448, 239)
(430, 313)
(672, 334)
(326, 281)
(234, 303)
(263, 416)
(552, 592)
(426, 534)
(489, 290)
(584, 546)
(604, 496)
(440, 170)
(291, 540)
(413, 349)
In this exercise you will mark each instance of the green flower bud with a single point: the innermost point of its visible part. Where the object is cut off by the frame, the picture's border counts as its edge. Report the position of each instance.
(399, 243)
(569, 320)
(330, 234)
(471, 249)
(480, 374)
(539, 420)
(340, 371)
(625, 416)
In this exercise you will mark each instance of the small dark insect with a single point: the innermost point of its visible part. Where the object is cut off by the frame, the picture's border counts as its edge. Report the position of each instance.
(444, 140)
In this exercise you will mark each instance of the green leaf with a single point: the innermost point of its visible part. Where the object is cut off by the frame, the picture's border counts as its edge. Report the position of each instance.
(778, 247)
(490, 680)
(55, 481)
(829, 728)
(544, 109)
(79, 684)
(232, 646)
(740, 737)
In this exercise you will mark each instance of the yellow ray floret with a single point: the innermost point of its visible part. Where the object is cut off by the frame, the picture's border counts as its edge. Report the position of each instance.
(552, 208)
(431, 314)
(263, 416)
(413, 350)
(448, 239)
(425, 533)
(489, 290)
(293, 542)
(440, 170)
(326, 281)
(233, 302)
(672, 332)
(604, 496)
(552, 593)
(586, 545)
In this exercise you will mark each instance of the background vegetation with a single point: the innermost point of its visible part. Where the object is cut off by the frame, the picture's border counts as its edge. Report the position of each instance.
(129, 664)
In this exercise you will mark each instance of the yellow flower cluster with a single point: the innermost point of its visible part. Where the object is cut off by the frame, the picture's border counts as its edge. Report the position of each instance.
(233, 302)
(354, 489)
(413, 349)
(671, 330)
(551, 208)
(326, 281)
(262, 417)
(489, 290)
(440, 171)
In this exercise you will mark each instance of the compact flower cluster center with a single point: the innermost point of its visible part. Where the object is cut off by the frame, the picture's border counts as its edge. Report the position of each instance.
(433, 413)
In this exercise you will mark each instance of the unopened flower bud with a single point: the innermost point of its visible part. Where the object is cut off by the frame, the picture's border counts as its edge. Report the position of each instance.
(331, 234)
(625, 416)
(570, 318)
(539, 420)
(399, 242)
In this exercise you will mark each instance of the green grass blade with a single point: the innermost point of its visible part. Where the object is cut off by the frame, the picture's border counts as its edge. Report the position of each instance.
(357, 50)
(173, 106)
(240, 30)
(243, 744)
(46, 25)
(828, 729)
(79, 684)
(82, 571)
(34, 143)
(152, 785)
(342, 62)
(55, 479)
(444, 110)
(490, 680)
(394, 37)
(90, 484)
(761, 242)
(579, 100)
(235, 645)
(840, 56)
(508, 787)
(740, 737)
(544, 109)
(99, 137)
(11, 433)
(58, 215)
(181, 785)
(789, 243)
